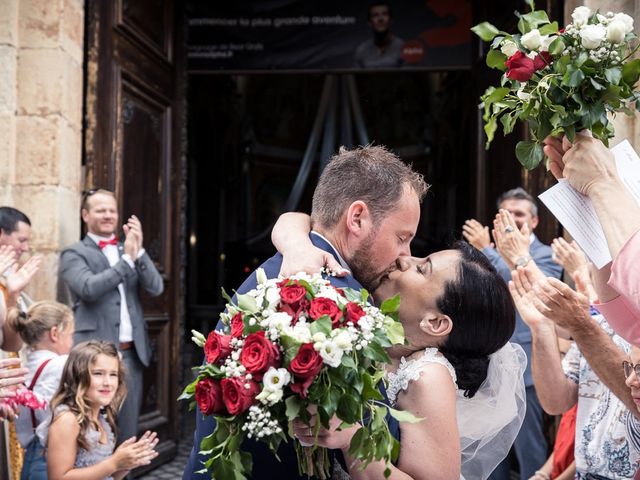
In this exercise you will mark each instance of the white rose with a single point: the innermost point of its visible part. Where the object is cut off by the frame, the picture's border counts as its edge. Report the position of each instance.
(531, 40)
(602, 19)
(616, 30)
(592, 36)
(508, 48)
(343, 340)
(279, 320)
(581, 16)
(330, 353)
(328, 292)
(273, 297)
(319, 337)
(546, 41)
(626, 19)
(300, 332)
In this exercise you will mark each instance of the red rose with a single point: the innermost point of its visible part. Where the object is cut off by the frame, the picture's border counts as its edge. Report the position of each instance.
(236, 397)
(295, 309)
(217, 347)
(258, 354)
(542, 60)
(325, 306)
(305, 367)
(354, 312)
(520, 67)
(292, 293)
(237, 325)
(209, 396)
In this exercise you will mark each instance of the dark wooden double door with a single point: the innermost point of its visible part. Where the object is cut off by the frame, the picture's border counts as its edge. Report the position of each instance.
(133, 145)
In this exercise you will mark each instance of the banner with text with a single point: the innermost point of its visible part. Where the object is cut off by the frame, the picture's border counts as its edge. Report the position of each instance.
(329, 35)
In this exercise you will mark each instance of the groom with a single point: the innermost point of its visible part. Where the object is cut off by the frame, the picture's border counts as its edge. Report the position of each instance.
(365, 212)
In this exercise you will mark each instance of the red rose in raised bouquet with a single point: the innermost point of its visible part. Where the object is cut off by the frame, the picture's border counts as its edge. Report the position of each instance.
(291, 347)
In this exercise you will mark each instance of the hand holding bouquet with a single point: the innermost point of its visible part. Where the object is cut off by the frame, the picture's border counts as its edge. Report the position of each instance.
(292, 347)
(560, 81)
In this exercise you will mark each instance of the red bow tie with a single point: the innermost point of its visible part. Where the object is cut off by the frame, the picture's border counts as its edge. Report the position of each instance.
(104, 243)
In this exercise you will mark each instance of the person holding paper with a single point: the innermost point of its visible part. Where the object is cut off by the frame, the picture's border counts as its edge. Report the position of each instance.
(590, 168)
(517, 245)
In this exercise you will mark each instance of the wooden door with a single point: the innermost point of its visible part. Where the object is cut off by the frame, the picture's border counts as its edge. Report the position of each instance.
(133, 145)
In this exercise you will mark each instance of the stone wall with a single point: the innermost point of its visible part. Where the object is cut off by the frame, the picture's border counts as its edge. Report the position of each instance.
(626, 127)
(41, 53)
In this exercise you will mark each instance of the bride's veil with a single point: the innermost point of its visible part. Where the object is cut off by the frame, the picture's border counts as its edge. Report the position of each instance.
(489, 422)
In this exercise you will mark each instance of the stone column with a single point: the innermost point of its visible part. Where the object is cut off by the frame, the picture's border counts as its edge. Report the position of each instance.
(41, 50)
(626, 127)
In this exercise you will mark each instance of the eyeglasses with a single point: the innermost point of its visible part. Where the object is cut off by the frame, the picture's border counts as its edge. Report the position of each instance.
(629, 367)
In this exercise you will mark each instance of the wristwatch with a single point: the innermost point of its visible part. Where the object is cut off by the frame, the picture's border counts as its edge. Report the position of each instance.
(523, 261)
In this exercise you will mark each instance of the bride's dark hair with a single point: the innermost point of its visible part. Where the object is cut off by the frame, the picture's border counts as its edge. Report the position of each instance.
(480, 305)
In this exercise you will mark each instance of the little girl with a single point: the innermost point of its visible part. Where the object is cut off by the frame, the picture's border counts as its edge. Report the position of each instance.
(47, 330)
(82, 434)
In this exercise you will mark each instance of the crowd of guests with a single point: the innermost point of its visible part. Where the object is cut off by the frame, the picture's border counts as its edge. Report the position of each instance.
(84, 365)
(581, 338)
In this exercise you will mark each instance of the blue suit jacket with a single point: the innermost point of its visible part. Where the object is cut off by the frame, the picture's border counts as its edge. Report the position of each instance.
(265, 465)
(541, 254)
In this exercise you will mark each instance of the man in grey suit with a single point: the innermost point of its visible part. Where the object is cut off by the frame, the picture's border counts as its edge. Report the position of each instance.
(103, 276)
(530, 445)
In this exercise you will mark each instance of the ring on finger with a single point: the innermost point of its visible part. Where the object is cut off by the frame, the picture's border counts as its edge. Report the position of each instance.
(508, 229)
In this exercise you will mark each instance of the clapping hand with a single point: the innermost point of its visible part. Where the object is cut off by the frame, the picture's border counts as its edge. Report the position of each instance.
(134, 453)
(133, 237)
(560, 303)
(19, 279)
(521, 288)
(569, 255)
(7, 258)
(476, 234)
(11, 376)
(511, 242)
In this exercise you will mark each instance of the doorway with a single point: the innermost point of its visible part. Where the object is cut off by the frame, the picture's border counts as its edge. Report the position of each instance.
(247, 135)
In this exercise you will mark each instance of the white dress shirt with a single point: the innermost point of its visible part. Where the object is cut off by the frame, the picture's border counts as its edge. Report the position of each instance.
(113, 256)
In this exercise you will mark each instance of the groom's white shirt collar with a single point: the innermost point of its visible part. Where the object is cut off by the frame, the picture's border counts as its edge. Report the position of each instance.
(341, 261)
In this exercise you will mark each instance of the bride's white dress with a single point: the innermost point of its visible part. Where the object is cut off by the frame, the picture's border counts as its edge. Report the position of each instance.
(487, 423)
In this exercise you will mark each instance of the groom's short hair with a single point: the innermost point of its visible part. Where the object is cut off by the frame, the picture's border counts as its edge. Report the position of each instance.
(371, 174)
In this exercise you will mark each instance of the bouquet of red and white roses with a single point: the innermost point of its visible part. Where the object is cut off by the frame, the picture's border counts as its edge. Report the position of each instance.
(560, 81)
(289, 347)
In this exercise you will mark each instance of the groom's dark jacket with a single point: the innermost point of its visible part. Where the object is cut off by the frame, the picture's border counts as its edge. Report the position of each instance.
(265, 465)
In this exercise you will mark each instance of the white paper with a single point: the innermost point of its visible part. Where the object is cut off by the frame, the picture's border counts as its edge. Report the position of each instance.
(576, 213)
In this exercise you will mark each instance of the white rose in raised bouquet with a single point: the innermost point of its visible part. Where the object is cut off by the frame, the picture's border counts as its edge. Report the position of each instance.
(546, 41)
(592, 36)
(581, 16)
(616, 30)
(509, 48)
(532, 39)
(626, 19)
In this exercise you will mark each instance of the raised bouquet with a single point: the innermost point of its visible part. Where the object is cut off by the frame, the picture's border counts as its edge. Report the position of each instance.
(560, 81)
(291, 347)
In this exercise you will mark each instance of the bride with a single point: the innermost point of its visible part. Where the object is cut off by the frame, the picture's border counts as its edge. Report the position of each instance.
(457, 371)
